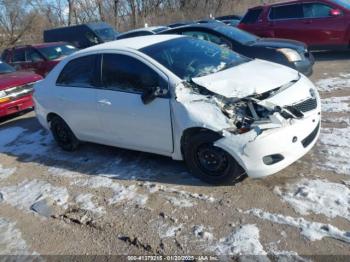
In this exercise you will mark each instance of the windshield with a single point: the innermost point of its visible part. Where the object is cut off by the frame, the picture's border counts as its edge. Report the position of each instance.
(237, 34)
(343, 3)
(106, 34)
(56, 51)
(189, 57)
(5, 68)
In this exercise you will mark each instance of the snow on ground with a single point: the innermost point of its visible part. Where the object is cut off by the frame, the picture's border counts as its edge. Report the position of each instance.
(335, 150)
(317, 196)
(334, 83)
(311, 230)
(166, 231)
(27, 193)
(85, 201)
(242, 241)
(11, 242)
(120, 192)
(200, 232)
(336, 104)
(6, 172)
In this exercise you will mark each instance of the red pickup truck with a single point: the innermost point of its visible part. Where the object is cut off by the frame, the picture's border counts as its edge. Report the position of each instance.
(321, 24)
(16, 90)
(38, 58)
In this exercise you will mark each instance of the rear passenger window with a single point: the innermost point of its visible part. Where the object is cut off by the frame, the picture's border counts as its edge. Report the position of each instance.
(252, 16)
(286, 12)
(19, 55)
(125, 73)
(79, 72)
(316, 10)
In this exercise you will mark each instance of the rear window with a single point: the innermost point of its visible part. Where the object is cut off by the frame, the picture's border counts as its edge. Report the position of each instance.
(252, 16)
(286, 12)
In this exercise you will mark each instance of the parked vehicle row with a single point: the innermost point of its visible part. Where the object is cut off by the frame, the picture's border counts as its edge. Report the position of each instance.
(286, 52)
(321, 24)
(39, 58)
(186, 98)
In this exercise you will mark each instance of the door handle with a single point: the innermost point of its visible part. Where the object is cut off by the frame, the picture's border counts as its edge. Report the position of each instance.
(105, 102)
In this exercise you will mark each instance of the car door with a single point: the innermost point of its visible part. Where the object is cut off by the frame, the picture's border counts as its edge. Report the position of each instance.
(35, 61)
(125, 119)
(75, 95)
(19, 59)
(286, 21)
(321, 27)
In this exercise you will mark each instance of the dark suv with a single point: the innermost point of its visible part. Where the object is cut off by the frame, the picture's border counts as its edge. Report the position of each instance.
(39, 58)
(321, 24)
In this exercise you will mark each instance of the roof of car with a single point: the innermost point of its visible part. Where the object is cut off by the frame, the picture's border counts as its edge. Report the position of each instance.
(149, 29)
(40, 45)
(206, 25)
(276, 3)
(135, 43)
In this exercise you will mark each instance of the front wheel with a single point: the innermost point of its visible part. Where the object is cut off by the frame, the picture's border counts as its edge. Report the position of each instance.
(210, 163)
(63, 134)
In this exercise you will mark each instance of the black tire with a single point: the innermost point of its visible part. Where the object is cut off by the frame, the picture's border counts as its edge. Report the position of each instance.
(63, 134)
(209, 163)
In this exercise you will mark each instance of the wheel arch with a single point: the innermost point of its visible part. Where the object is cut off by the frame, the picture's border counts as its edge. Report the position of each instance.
(189, 132)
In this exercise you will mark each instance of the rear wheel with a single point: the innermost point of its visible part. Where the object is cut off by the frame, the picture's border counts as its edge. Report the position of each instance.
(210, 163)
(63, 134)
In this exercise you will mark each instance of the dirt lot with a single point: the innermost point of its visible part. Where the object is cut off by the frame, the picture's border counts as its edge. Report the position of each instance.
(103, 200)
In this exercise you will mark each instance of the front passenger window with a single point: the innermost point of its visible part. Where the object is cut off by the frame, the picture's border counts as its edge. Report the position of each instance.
(125, 73)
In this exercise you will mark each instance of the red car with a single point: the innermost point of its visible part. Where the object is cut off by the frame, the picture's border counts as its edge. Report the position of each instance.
(321, 24)
(16, 90)
(39, 58)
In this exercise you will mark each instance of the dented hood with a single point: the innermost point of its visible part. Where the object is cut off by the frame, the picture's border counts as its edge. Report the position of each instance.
(254, 77)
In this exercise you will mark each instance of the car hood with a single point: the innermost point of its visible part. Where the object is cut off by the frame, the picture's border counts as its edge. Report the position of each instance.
(280, 43)
(252, 78)
(17, 79)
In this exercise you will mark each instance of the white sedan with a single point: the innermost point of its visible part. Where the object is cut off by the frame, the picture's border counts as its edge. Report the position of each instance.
(224, 114)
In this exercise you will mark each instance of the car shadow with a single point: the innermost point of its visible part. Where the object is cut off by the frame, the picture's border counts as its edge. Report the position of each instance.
(25, 140)
(331, 55)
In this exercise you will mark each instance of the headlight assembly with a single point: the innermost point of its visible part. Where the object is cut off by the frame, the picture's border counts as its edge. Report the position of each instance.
(292, 55)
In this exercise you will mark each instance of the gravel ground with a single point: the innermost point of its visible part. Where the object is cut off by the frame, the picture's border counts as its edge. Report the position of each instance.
(102, 200)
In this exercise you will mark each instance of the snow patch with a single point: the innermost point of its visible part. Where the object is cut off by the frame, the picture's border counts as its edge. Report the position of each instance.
(335, 148)
(27, 193)
(319, 197)
(178, 202)
(61, 172)
(120, 192)
(242, 241)
(336, 104)
(334, 83)
(182, 198)
(199, 232)
(311, 230)
(85, 202)
(6, 172)
(11, 242)
(166, 231)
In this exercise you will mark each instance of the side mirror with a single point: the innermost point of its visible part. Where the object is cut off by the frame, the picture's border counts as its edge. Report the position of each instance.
(335, 12)
(151, 93)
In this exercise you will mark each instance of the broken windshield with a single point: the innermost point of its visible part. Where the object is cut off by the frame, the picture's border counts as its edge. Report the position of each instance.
(189, 57)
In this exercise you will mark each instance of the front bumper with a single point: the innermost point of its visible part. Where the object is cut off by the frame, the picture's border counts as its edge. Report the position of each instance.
(292, 142)
(16, 105)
